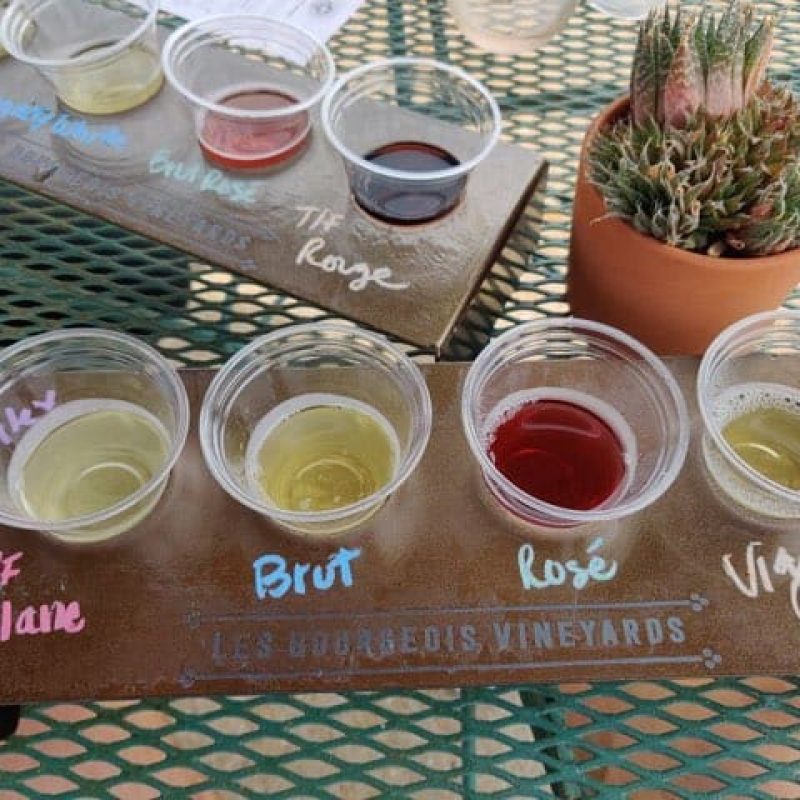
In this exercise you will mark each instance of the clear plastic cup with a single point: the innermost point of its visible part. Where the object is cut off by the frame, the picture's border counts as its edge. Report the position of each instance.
(91, 424)
(751, 366)
(598, 369)
(253, 82)
(410, 131)
(101, 58)
(513, 27)
(261, 412)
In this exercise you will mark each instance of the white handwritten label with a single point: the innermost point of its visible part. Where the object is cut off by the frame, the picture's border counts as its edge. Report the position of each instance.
(33, 620)
(360, 274)
(314, 219)
(759, 571)
(18, 419)
(275, 579)
(557, 573)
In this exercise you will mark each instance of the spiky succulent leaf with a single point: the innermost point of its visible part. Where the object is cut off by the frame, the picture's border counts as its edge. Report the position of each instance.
(757, 51)
(683, 88)
(649, 63)
(722, 43)
(773, 223)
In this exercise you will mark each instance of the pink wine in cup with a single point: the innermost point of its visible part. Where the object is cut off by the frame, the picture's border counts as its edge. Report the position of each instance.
(404, 202)
(241, 143)
(559, 450)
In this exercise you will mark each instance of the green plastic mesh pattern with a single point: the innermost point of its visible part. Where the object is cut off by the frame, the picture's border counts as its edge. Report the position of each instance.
(735, 739)
(724, 738)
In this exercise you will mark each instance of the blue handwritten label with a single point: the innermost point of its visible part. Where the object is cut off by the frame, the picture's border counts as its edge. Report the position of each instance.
(207, 180)
(274, 578)
(63, 125)
(557, 573)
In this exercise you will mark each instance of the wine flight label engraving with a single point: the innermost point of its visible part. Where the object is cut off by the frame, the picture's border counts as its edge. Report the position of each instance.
(536, 642)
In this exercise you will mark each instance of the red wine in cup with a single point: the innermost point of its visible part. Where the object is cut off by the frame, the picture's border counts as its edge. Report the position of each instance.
(401, 202)
(559, 452)
(254, 143)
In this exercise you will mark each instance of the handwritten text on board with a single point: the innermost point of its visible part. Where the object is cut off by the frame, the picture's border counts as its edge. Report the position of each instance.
(759, 572)
(18, 419)
(557, 573)
(206, 180)
(33, 620)
(196, 224)
(312, 254)
(274, 578)
(62, 125)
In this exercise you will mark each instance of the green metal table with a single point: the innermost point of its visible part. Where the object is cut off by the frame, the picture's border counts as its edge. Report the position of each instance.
(723, 738)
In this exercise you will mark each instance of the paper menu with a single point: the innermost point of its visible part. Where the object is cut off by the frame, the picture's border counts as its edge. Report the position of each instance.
(321, 18)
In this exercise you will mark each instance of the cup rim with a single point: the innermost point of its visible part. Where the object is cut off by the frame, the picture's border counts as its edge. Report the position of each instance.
(632, 17)
(252, 114)
(724, 338)
(84, 60)
(570, 516)
(387, 172)
(407, 465)
(176, 446)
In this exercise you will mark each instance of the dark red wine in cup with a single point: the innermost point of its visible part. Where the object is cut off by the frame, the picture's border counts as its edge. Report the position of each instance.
(401, 202)
(559, 452)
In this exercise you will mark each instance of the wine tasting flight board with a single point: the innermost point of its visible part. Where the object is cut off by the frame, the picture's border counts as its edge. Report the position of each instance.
(297, 229)
(441, 588)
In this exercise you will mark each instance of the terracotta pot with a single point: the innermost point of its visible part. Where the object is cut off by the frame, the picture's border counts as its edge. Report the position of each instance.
(674, 301)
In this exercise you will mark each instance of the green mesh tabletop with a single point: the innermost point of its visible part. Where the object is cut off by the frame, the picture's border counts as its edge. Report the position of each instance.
(724, 738)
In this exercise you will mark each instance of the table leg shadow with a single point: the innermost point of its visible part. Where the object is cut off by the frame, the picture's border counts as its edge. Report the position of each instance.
(9, 721)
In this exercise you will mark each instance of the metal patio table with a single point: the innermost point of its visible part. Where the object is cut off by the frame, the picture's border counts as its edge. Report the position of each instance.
(721, 738)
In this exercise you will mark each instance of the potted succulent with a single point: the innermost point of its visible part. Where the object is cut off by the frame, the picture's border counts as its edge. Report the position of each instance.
(687, 206)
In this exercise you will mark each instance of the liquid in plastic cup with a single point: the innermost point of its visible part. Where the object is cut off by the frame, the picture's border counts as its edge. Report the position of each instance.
(3, 51)
(562, 365)
(752, 366)
(410, 131)
(511, 27)
(92, 423)
(316, 426)
(254, 84)
(101, 58)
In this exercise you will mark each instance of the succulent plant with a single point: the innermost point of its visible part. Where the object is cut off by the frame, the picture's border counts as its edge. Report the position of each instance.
(684, 62)
(708, 158)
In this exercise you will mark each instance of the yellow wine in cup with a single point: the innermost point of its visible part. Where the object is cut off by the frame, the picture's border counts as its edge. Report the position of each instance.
(318, 452)
(86, 456)
(125, 81)
(761, 422)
